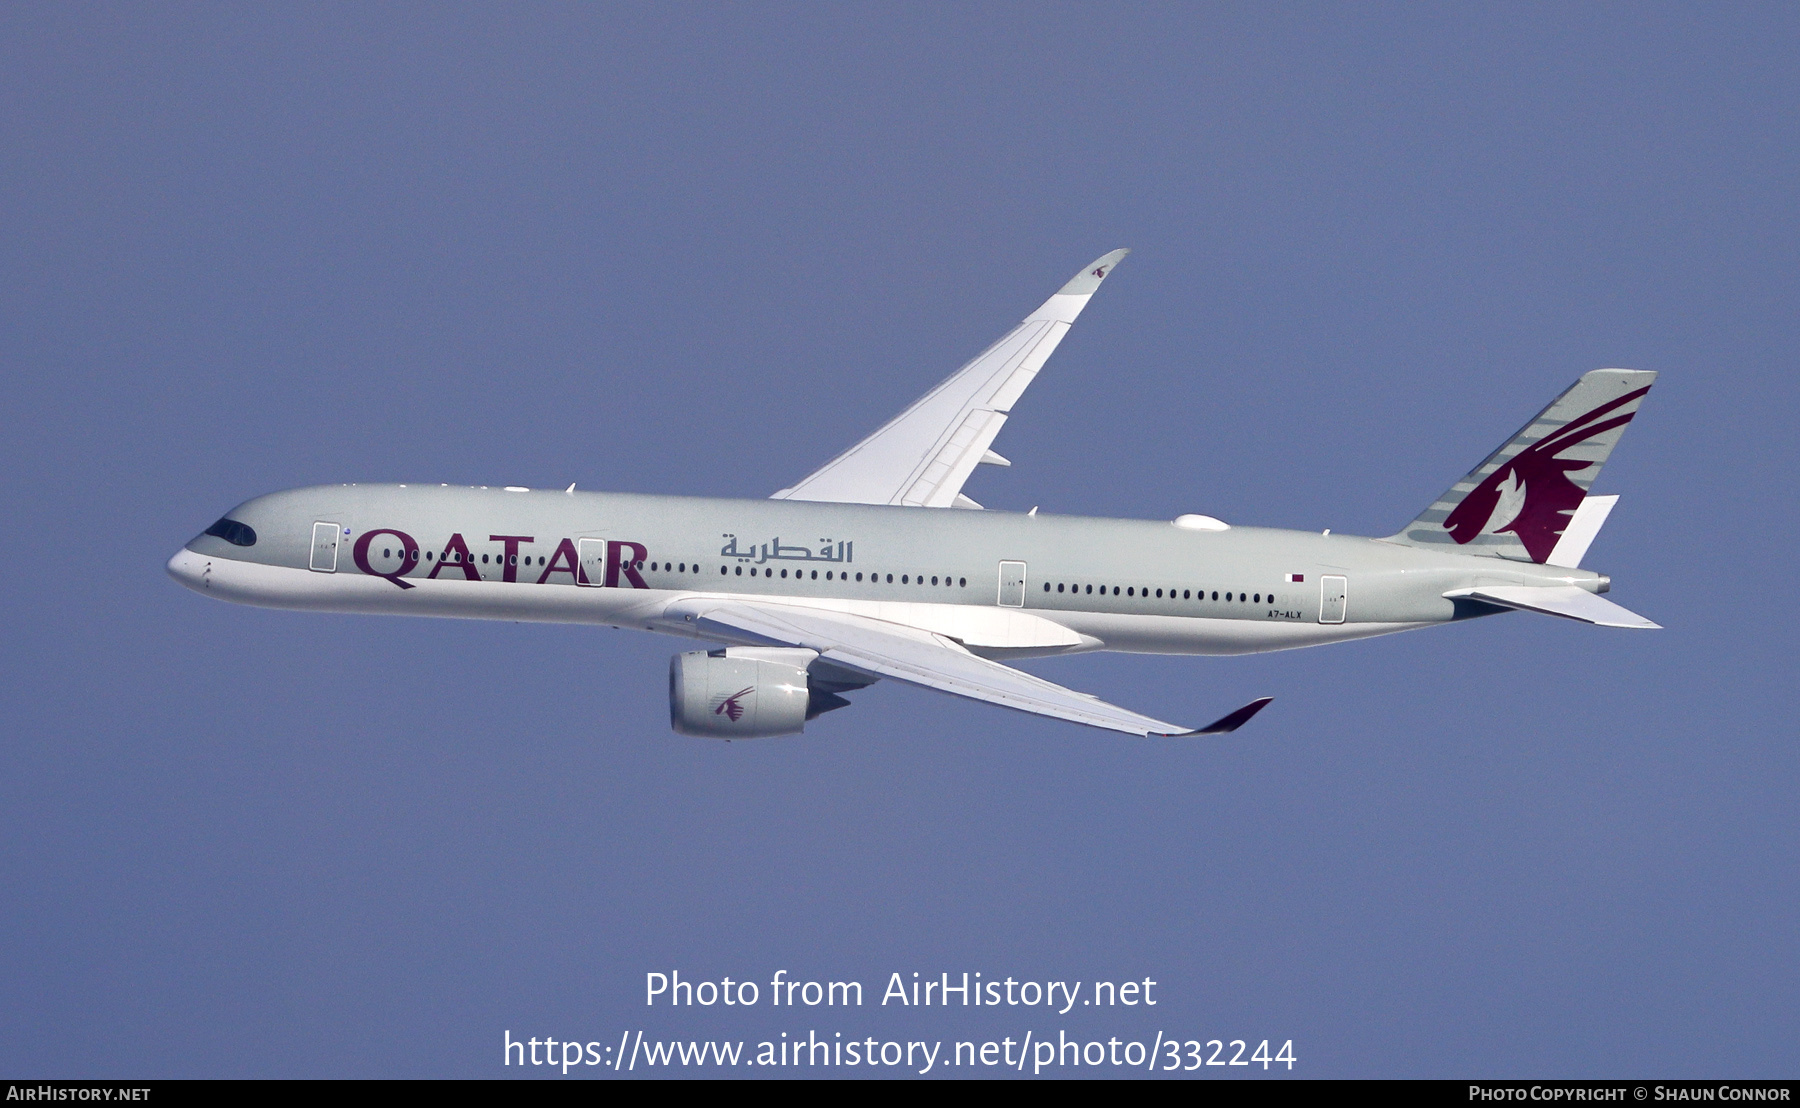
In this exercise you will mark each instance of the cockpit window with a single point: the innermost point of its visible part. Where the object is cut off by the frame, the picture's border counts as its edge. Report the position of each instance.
(233, 532)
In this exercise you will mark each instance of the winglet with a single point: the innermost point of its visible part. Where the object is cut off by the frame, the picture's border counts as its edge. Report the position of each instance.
(1085, 282)
(1233, 721)
(1066, 303)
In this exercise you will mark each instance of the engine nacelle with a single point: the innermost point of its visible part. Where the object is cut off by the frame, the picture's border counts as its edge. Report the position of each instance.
(740, 692)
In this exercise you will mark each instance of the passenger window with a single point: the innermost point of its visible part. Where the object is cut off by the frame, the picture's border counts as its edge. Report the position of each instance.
(890, 579)
(934, 580)
(1259, 598)
(815, 575)
(962, 582)
(740, 570)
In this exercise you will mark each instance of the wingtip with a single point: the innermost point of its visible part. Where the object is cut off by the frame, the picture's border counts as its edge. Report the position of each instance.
(1227, 724)
(1096, 271)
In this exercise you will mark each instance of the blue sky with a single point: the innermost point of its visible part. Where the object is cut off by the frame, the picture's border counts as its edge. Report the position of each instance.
(701, 249)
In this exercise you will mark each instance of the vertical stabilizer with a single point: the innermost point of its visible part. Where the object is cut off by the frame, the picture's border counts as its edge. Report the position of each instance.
(1518, 503)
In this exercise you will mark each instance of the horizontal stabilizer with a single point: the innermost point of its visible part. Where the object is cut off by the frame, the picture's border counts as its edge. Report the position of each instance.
(1566, 601)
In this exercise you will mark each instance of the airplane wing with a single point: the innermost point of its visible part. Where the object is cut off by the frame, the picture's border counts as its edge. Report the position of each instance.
(1566, 601)
(924, 454)
(922, 658)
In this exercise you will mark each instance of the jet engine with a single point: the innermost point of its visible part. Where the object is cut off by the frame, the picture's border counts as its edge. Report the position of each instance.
(752, 692)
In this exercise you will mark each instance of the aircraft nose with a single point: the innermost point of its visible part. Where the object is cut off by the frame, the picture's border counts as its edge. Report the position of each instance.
(191, 569)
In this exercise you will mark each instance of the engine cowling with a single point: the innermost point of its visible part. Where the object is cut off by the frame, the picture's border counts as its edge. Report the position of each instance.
(740, 693)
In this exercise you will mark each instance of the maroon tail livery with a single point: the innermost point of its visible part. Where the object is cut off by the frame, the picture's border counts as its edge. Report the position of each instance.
(1518, 502)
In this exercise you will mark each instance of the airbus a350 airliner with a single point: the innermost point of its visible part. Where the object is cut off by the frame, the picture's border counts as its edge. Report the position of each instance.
(877, 565)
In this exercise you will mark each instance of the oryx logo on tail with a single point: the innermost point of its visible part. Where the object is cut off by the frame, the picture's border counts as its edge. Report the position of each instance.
(1531, 495)
(1518, 502)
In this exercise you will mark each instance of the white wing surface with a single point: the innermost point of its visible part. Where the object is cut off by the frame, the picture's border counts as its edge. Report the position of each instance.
(1566, 601)
(923, 456)
(918, 657)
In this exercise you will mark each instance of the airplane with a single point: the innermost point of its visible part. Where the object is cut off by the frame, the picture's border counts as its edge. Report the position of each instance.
(878, 565)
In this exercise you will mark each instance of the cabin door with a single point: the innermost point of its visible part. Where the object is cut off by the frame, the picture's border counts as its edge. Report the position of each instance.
(592, 553)
(324, 547)
(1334, 596)
(1012, 584)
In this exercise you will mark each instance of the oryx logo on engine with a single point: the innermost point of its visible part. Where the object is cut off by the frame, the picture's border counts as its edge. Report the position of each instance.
(732, 706)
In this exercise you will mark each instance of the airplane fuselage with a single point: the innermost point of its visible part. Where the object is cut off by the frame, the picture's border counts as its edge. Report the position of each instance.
(1003, 584)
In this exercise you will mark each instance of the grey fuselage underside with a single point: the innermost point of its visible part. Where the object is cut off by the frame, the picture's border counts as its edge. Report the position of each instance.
(1104, 575)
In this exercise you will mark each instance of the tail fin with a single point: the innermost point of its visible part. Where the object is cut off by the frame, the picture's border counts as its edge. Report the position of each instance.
(1518, 503)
